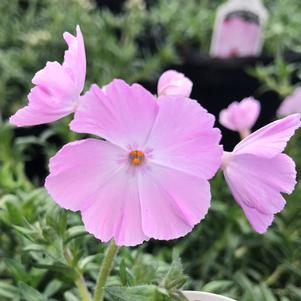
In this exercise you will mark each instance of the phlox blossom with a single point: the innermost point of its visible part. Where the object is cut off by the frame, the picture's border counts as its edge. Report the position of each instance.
(149, 177)
(240, 116)
(291, 104)
(57, 87)
(174, 83)
(257, 171)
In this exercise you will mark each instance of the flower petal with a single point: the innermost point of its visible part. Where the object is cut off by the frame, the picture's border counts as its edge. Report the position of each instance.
(270, 140)
(56, 82)
(79, 169)
(256, 184)
(115, 212)
(75, 58)
(42, 108)
(183, 138)
(172, 202)
(260, 222)
(123, 115)
(291, 104)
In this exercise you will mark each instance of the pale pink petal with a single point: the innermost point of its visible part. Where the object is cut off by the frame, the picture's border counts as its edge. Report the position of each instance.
(240, 116)
(57, 87)
(260, 222)
(115, 211)
(291, 104)
(55, 81)
(174, 83)
(75, 58)
(270, 140)
(42, 108)
(227, 119)
(29, 116)
(257, 183)
(79, 169)
(124, 114)
(183, 138)
(172, 202)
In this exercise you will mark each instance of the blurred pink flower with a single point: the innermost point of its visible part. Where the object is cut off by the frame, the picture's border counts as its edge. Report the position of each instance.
(237, 37)
(149, 179)
(291, 104)
(240, 116)
(57, 87)
(174, 83)
(257, 172)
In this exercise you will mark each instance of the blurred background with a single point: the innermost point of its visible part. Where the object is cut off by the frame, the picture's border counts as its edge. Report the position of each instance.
(137, 40)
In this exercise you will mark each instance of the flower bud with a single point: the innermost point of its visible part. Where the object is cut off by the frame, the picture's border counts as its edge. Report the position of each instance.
(174, 83)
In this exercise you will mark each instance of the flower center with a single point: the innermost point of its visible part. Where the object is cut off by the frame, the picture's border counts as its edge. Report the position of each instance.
(136, 157)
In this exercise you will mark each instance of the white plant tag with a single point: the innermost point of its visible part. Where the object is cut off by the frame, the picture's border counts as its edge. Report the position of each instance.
(238, 30)
(202, 296)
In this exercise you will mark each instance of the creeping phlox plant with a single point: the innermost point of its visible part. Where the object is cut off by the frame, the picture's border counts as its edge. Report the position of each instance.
(147, 174)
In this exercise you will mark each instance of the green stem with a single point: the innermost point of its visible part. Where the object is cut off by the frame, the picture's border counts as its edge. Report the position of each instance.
(275, 276)
(105, 271)
(80, 281)
(83, 291)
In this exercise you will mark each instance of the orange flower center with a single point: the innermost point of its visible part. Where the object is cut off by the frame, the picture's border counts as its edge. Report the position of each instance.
(136, 157)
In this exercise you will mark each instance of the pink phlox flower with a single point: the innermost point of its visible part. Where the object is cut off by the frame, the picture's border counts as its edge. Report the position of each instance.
(57, 87)
(149, 178)
(291, 104)
(240, 116)
(257, 171)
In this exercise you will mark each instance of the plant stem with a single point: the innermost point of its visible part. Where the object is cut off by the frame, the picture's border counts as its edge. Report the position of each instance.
(105, 270)
(80, 281)
(275, 276)
(243, 134)
(83, 291)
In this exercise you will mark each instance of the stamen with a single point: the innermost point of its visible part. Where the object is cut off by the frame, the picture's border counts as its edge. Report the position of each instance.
(136, 157)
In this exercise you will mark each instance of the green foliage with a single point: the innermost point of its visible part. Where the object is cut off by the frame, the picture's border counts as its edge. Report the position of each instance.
(282, 28)
(171, 280)
(276, 77)
(281, 37)
(45, 251)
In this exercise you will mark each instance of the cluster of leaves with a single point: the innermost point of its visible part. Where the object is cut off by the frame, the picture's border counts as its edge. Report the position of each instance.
(282, 28)
(46, 254)
(30, 35)
(277, 76)
(283, 44)
(135, 44)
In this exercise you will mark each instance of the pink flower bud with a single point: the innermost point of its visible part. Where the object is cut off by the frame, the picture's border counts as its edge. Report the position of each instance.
(174, 83)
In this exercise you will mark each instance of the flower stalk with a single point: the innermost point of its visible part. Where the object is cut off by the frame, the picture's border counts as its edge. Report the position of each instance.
(105, 271)
(244, 133)
(83, 291)
(80, 281)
